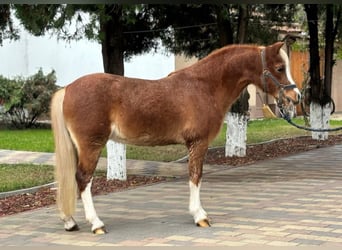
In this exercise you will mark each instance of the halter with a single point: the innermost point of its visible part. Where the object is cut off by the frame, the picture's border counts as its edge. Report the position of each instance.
(267, 73)
(282, 87)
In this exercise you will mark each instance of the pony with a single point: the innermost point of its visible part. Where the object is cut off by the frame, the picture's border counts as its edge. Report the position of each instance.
(186, 107)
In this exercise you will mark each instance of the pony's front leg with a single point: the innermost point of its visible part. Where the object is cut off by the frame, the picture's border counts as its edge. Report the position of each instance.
(197, 153)
(195, 207)
(90, 213)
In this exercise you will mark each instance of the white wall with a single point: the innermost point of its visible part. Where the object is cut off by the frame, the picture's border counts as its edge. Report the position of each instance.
(72, 60)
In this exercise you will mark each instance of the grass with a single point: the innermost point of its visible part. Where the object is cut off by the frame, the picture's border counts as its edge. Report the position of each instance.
(19, 176)
(37, 140)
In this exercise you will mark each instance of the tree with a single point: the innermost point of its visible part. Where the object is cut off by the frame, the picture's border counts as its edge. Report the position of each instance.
(320, 86)
(331, 30)
(314, 65)
(198, 29)
(238, 116)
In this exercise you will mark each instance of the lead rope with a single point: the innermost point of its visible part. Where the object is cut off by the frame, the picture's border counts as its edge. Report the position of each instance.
(283, 114)
(287, 118)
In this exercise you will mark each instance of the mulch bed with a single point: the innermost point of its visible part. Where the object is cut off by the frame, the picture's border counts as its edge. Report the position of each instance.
(270, 150)
(47, 196)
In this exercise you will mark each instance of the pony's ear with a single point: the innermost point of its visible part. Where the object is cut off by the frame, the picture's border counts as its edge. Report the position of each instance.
(277, 46)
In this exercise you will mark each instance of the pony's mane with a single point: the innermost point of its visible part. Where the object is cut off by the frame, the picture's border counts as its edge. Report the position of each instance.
(231, 46)
(218, 52)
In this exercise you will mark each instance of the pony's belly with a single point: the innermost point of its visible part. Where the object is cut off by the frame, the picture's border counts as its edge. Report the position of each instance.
(144, 138)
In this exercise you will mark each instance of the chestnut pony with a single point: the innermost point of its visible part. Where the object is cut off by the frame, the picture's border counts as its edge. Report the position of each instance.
(186, 107)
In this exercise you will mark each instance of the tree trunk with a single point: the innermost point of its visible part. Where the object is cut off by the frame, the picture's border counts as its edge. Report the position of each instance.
(112, 41)
(329, 49)
(242, 23)
(314, 71)
(113, 63)
(318, 108)
(237, 118)
(236, 135)
(224, 26)
(116, 161)
(330, 35)
(319, 118)
(320, 94)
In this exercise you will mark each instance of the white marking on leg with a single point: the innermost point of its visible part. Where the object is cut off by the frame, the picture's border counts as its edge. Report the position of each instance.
(195, 206)
(69, 222)
(89, 208)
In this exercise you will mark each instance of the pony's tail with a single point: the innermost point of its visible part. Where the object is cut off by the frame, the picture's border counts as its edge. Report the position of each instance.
(66, 158)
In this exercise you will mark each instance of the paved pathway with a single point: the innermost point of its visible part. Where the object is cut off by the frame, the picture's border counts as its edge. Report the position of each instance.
(289, 201)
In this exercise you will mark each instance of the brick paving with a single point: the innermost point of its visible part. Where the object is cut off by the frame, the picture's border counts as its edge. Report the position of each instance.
(290, 201)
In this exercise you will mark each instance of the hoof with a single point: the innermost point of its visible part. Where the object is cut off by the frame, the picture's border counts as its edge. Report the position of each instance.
(99, 231)
(74, 228)
(203, 223)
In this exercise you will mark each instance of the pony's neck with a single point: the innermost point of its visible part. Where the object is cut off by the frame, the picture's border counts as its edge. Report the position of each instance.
(228, 71)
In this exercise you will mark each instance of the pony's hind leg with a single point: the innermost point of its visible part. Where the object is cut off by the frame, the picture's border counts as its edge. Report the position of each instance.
(197, 153)
(70, 224)
(84, 174)
(90, 212)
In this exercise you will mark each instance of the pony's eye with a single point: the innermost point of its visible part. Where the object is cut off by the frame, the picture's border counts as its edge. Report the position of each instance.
(280, 69)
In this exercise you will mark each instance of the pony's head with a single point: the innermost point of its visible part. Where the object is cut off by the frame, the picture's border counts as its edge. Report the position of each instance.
(276, 78)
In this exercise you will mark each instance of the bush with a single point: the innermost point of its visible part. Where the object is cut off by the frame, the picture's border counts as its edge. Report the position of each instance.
(25, 100)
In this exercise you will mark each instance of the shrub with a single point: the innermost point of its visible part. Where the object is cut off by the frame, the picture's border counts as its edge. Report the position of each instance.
(25, 100)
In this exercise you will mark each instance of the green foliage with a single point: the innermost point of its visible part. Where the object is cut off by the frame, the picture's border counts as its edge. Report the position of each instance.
(300, 46)
(8, 92)
(7, 29)
(7, 88)
(339, 53)
(25, 100)
(198, 29)
(189, 28)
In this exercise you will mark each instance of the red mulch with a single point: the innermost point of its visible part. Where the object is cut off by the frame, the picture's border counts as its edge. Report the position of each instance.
(270, 150)
(46, 196)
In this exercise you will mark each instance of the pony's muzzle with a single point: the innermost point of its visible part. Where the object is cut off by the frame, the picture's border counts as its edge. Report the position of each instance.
(293, 101)
(295, 97)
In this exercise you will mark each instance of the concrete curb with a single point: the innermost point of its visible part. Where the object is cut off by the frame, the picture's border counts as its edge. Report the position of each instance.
(26, 190)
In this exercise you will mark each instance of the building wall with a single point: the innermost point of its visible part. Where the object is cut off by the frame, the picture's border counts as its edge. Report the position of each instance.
(181, 61)
(337, 86)
(299, 67)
